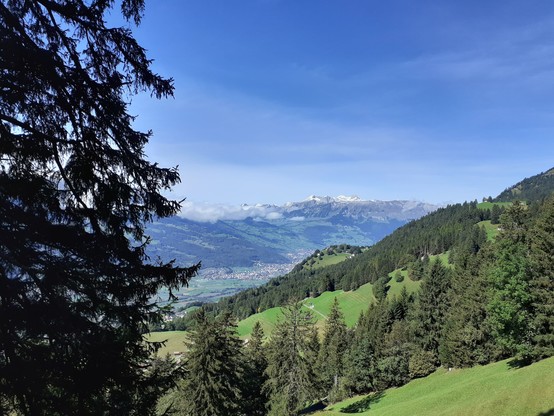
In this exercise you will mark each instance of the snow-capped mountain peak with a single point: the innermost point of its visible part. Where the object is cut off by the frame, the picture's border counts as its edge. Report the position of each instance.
(329, 199)
(344, 198)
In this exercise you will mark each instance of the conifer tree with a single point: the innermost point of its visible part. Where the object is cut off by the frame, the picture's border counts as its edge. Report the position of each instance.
(331, 360)
(291, 380)
(392, 364)
(75, 194)
(496, 212)
(255, 362)
(466, 337)
(510, 305)
(213, 370)
(360, 368)
(366, 349)
(542, 282)
(432, 308)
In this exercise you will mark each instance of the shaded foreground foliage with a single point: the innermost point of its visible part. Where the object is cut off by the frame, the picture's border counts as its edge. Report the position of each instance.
(75, 193)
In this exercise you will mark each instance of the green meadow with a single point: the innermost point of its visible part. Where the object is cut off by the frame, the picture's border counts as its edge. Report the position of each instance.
(491, 390)
(489, 205)
(492, 230)
(351, 303)
(327, 260)
(174, 341)
(395, 288)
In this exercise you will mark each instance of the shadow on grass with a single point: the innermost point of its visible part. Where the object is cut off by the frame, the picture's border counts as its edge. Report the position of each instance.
(320, 405)
(364, 404)
(547, 413)
(515, 363)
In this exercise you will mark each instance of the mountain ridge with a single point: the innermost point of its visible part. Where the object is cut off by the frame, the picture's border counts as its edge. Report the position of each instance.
(259, 233)
(534, 188)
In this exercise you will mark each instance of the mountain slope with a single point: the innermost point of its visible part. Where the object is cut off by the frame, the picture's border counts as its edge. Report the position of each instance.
(270, 234)
(433, 234)
(494, 389)
(530, 189)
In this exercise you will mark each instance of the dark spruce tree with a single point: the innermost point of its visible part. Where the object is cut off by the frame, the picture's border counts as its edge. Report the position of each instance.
(213, 370)
(432, 308)
(75, 194)
(365, 349)
(541, 284)
(331, 362)
(255, 363)
(510, 305)
(466, 337)
(360, 364)
(291, 383)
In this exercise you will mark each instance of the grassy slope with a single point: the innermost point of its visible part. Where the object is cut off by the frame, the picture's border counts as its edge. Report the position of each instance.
(491, 390)
(352, 303)
(395, 288)
(489, 205)
(492, 230)
(174, 341)
(327, 260)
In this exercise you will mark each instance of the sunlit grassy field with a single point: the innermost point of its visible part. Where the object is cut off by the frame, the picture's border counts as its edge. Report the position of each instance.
(492, 390)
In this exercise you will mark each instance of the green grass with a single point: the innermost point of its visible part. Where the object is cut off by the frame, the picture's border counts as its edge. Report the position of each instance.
(491, 229)
(352, 303)
(395, 288)
(174, 341)
(327, 260)
(495, 389)
(489, 205)
(267, 318)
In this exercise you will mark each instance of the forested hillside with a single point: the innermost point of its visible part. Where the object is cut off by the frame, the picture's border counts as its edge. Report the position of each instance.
(530, 189)
(449, 228)
(490, 301)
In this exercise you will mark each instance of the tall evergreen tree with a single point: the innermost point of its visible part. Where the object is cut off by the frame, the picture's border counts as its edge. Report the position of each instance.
(541, 284)
(432, 308)
(255, 362)
(496, 212)
(466, 337)
(291, 380)
(331, 360)
(214, 371)
(75, 194)
(392, 364)
(510, 304)
(366, 348)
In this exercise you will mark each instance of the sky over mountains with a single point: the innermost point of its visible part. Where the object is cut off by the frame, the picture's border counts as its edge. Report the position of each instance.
(438, 101)
(312, 206)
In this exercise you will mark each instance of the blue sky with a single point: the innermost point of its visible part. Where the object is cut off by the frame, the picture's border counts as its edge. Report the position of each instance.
(440, 101)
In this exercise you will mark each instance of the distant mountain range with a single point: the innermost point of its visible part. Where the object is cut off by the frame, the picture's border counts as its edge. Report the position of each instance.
(261, 241)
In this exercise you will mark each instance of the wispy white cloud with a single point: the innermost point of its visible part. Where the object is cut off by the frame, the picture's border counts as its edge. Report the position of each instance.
(211, 212)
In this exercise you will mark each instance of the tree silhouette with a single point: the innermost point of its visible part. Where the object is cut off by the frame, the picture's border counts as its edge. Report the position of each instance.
(75, 194)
